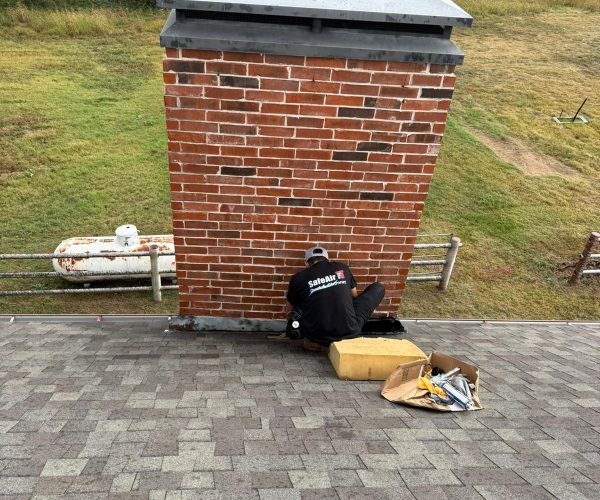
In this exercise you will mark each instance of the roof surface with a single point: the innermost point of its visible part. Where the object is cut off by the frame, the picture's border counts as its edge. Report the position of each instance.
(438, 12)
(126, 409)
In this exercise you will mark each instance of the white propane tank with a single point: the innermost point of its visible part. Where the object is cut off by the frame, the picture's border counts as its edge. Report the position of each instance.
(126, 240)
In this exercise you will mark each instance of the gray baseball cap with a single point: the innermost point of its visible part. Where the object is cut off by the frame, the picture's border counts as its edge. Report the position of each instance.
(317, 251)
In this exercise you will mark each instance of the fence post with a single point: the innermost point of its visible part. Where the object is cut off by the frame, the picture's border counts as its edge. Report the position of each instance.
(449, 265)
(584, 258)
(156, 282)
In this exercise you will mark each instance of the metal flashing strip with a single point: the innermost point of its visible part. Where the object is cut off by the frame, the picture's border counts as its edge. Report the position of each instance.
(494, 322)
(246, 324)
(82, 318)
(209, 323)
(437, 12)
(189, 33)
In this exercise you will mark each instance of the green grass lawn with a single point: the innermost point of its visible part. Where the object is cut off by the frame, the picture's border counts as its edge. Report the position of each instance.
(83, 149)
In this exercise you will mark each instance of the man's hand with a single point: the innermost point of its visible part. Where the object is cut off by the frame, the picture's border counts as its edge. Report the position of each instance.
(354, 292)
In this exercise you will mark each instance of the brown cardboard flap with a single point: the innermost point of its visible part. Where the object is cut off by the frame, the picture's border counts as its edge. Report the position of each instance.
(401, 385)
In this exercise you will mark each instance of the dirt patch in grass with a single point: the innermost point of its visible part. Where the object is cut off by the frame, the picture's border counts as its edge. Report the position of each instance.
(528, 161)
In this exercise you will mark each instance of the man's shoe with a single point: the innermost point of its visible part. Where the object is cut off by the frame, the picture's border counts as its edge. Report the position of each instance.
(313, 346)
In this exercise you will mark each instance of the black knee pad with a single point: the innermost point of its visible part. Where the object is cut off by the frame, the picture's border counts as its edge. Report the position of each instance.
(292, 330)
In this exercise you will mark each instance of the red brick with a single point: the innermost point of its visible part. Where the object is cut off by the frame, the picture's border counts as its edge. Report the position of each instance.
(301, 143)
(271, 71)
(304, 73)
(309, 110)
(392, 114)
(406, 67)
(280, 109)
(321, 87)
(264, 119)
(276, 131)
(198, 103)
(225, 117)
(284, 59)
(355, 135)
(226, 68)
(240, 106)
(195, 79)
(371, 90)
(231, 230)
(419, 104)
(444, 105)
(381, 125)
(170, 78)
(264, 141)
(325, 62)
(275, 84)
(390, 79)
(305, 98)
(439, 116)
(300, 121)
(224, 93)
(351, 76)
(388, 91)
(370, 65)
(243, 57)
(201, 54)
(170, 102)
(426, 80)
(344, 100)
(313, 133)
(313, 154)
(441, 68)
(265, 96)
(449, 81)
(277, 152)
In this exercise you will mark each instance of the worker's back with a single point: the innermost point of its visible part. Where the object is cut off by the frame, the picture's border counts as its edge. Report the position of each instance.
(323, 292)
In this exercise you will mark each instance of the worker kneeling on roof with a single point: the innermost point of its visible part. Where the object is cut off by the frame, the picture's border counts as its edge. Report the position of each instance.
(326, 302)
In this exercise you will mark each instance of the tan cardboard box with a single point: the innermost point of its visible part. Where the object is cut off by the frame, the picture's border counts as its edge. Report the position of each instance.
(371, 358)
(401, 385)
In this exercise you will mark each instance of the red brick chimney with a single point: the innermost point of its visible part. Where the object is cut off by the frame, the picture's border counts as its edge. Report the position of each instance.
(293, 124)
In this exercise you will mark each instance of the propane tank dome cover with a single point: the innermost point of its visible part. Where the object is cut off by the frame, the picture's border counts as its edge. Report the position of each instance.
(126, 235)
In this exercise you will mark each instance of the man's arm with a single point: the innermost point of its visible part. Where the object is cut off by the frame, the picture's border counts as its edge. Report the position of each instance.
(352, 283)
(292, 292)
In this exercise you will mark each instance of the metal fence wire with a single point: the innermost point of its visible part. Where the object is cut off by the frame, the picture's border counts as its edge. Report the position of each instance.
(155, 274)
(435, 267)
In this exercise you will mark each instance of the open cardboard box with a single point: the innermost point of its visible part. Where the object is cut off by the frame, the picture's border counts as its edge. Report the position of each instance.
(401, 385)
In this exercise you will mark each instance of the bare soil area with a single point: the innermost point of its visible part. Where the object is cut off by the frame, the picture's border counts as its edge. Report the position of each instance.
(528, 161)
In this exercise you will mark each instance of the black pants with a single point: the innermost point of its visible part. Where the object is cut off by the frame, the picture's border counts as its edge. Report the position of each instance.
(364, 305)
(367, 302)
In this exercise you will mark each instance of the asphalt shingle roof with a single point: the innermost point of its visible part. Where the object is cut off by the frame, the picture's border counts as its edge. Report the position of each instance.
(126, 409)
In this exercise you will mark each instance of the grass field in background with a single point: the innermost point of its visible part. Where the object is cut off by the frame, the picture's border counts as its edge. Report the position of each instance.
(83, 149)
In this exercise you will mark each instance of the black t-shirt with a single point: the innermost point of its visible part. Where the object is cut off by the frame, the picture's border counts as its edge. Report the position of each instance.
(323, 292)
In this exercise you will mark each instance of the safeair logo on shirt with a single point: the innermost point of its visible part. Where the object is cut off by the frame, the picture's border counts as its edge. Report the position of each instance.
(327, 281)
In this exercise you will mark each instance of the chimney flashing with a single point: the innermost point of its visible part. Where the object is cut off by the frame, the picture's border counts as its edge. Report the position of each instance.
(185, 32)
(435, 12)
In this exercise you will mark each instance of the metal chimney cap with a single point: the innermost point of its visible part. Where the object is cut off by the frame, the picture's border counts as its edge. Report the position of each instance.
(433, 12)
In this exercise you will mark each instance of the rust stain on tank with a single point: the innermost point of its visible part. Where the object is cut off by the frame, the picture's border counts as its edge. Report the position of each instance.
(69, 264)
(146, 247)
(108, 257)
(82, 240)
